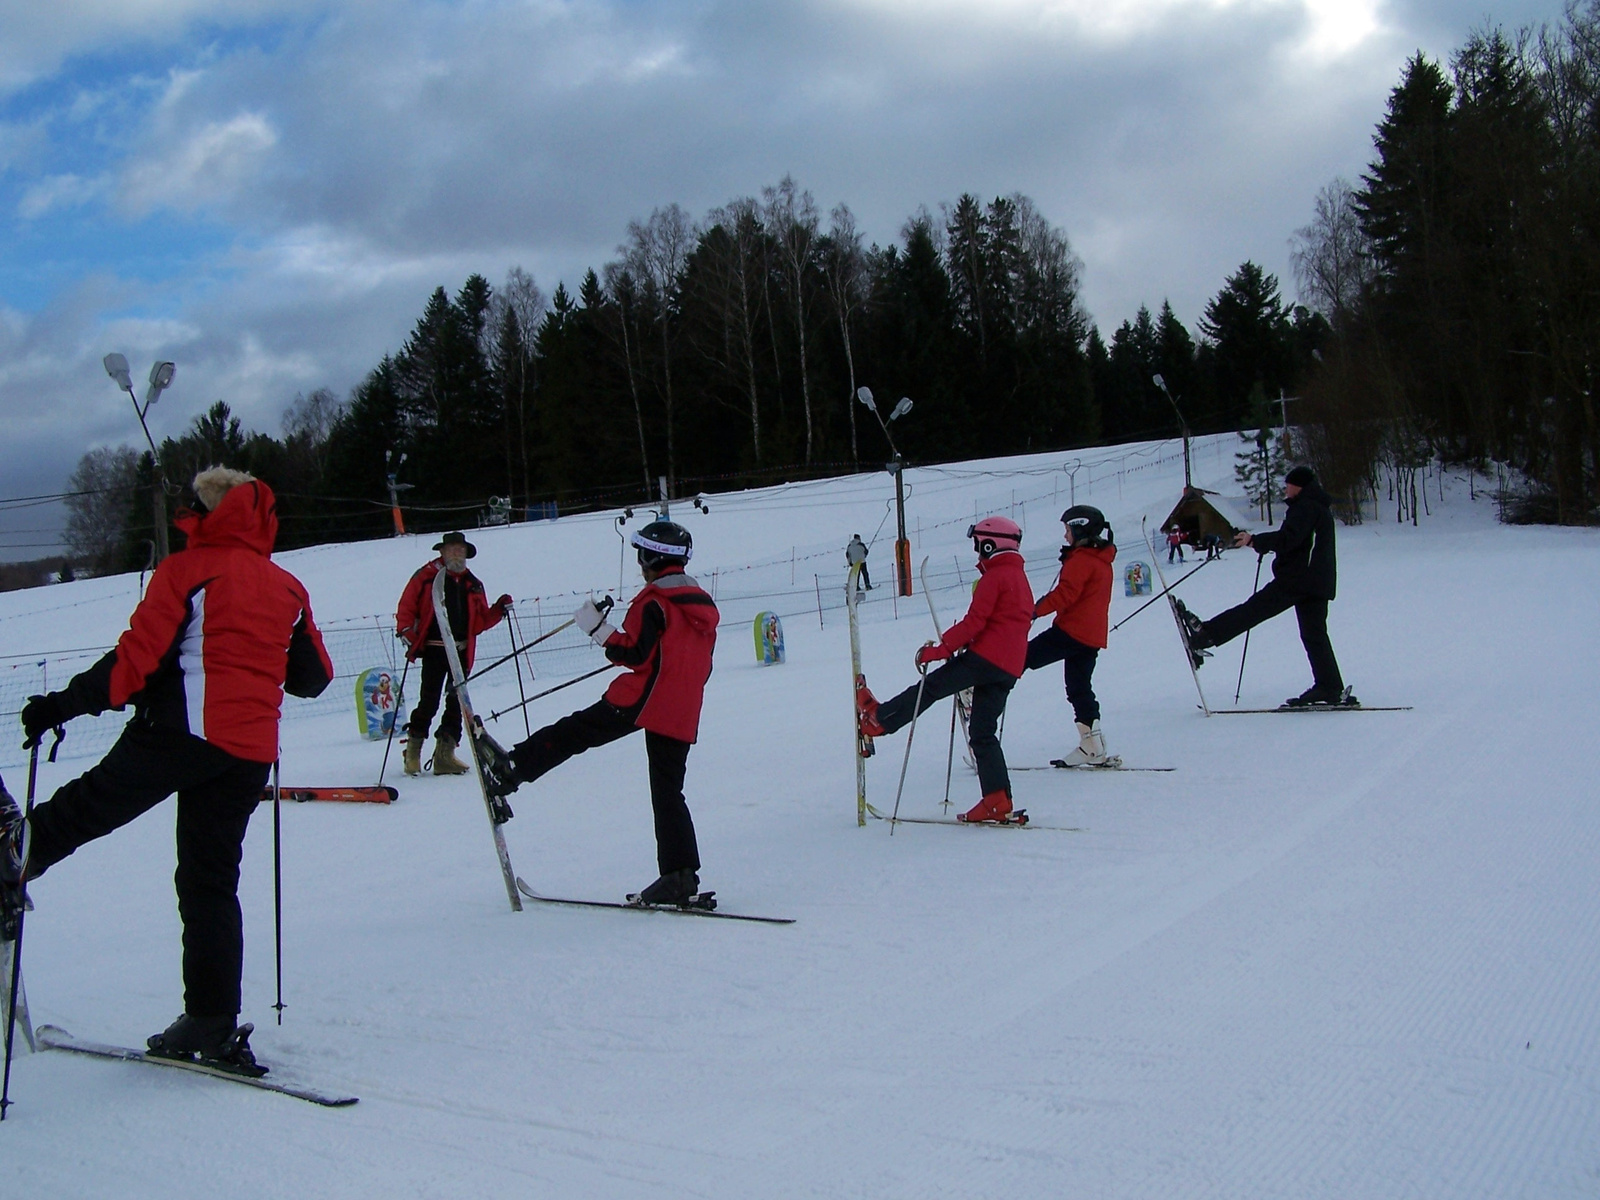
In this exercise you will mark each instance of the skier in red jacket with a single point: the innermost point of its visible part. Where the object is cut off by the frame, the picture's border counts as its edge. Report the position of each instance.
(219, 637)
(470, 614)
(666, 642)
(1081, 601)
(993, 641)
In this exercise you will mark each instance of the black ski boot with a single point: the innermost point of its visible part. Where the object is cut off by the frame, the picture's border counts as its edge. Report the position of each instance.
(1326, 697)
(15, 835)
(219, 1042)
(1195, 640)
(674, 889)
(499, 770)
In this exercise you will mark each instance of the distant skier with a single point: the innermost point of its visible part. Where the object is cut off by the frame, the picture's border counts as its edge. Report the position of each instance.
(415, 621)
(1174, 544)
(666, 642)
(219, 637)
(993, 643)
(856, 552)
(1081, 601)
(1304, 578)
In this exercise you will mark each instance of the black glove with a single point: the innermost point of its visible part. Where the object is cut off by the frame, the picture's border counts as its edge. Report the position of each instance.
(40, 715)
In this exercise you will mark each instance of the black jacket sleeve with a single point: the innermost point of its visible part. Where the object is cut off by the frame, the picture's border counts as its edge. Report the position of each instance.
(652, 624)
(89, 692)
(306, 677)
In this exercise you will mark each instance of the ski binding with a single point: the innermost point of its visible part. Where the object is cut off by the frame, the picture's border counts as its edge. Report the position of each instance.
(702, 904)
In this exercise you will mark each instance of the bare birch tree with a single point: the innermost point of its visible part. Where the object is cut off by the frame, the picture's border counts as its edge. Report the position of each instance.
(655, 253)
(101, 498)
(624, 292)
(1332, 256)
(791, 217)
(845, 265)
(737, 265)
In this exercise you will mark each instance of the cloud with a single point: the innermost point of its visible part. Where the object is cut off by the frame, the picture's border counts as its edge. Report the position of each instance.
(203, 166)
(56, 191)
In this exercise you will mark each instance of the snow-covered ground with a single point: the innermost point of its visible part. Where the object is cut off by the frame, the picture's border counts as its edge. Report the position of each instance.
(1335, 956)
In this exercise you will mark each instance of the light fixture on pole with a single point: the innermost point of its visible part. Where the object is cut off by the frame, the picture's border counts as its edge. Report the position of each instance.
(1161, 383)
(161, 374)
(902, 547)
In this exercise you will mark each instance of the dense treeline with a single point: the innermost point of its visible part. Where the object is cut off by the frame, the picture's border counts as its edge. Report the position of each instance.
(1462, 277)
(730, 350)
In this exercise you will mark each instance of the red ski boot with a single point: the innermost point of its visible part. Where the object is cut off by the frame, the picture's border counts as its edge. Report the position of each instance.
(867, 713)
(996, 806)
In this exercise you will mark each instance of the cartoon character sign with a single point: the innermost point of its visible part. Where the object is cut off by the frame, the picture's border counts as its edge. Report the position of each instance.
(1136, 579)
(768, 630)
(378, 703)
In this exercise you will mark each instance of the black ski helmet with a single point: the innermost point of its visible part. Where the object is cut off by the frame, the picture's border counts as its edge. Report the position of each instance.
(662, 544)
(1088, 524)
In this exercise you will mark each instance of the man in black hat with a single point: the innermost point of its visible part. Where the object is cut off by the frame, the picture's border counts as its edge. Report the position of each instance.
(1303, 578)
(415, 621)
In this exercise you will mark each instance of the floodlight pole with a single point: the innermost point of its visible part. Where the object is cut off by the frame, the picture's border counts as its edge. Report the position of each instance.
(161, 374)
(1188, 480)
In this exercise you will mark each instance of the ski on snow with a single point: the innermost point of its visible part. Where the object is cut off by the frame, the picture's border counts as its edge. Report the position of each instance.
(1015, 820)
(1346, 702)
(346, 795)
(1306, 708)
(54, 1038)
(1114, 763)
(701, 905)
(499, 811)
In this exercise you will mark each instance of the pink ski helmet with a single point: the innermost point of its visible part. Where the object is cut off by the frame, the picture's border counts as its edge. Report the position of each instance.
(995, 533)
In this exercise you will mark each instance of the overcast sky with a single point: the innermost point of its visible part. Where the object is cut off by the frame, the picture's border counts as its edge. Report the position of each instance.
(265, 191)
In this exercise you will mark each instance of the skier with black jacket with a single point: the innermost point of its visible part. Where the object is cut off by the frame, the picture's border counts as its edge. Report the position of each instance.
(665, 644)
(1304, 578)
(221, 634)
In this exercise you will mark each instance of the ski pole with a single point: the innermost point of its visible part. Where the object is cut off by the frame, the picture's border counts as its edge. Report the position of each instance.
(1246, 652)
(1157, 596)
(277, 880)
(540, 695)
(389, 741)
(15, 982)
(950, 758)
(911, 733)
(604, 606)
(516, 628)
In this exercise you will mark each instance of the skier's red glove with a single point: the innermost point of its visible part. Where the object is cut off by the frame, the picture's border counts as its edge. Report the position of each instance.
(504, 603)
(931, 653)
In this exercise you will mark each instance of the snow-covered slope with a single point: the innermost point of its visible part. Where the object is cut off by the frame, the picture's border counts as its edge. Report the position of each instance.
(1329, 956)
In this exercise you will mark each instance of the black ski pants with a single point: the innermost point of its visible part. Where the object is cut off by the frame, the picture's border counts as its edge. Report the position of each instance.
(1055, 645)
(216, 795)
(1312, 613)
(990, 688)
(436, 678)
(603, 722)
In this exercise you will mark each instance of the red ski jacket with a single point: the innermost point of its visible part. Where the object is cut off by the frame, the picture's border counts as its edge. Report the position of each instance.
(997, 622)
(220, 635)
(1081, 598)
(413, 620)
(666, 642)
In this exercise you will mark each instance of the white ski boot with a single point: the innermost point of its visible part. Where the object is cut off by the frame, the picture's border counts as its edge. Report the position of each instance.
(1091, 749)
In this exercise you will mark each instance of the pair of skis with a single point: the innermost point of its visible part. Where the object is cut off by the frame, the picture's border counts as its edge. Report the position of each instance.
(480, 742)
